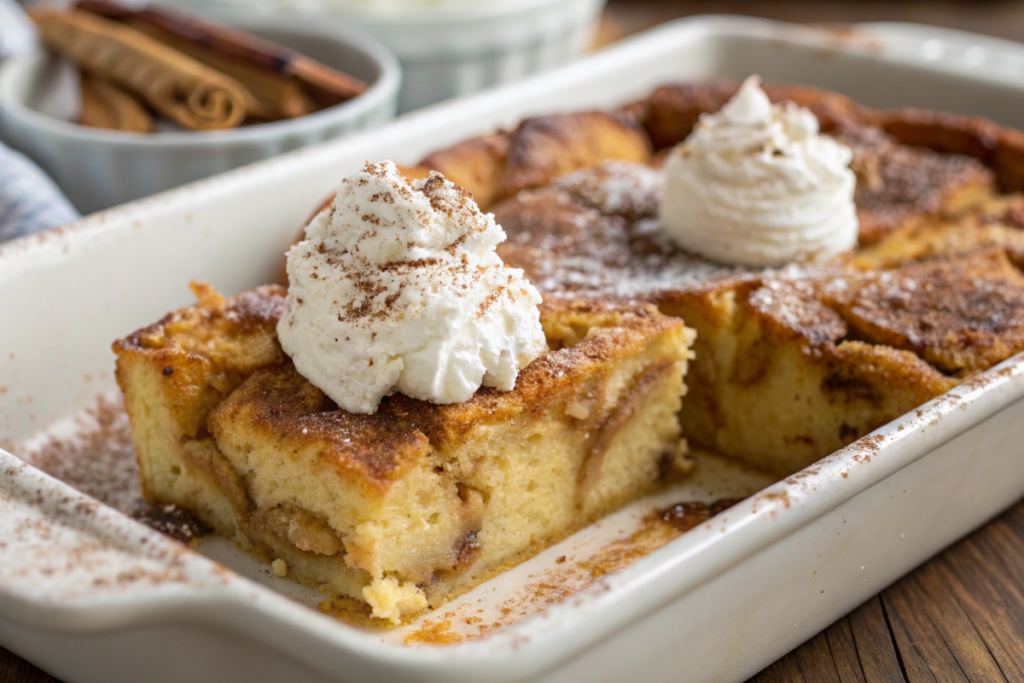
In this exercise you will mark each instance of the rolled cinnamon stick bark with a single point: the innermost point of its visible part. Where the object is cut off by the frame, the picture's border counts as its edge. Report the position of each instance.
(277, 97)
(325, 85)
(174, 84)
(104, 105)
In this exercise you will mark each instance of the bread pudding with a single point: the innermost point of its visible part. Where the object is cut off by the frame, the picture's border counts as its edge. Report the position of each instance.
(399, 510)
(405, 508)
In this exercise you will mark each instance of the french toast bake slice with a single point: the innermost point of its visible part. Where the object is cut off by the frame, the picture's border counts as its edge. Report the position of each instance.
(401, 510)
(787, 370)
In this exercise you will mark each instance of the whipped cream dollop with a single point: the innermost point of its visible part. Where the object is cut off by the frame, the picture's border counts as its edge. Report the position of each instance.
(397, 287)
(757, 184)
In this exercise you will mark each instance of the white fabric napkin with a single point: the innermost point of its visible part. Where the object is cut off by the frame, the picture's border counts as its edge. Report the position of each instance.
(29, 199)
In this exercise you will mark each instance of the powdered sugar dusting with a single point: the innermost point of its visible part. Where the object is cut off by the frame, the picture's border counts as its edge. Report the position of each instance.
(617, 188)
(596, 231)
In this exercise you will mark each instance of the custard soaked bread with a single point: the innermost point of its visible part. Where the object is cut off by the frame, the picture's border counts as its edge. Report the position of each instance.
(790, 369)
(405, 508)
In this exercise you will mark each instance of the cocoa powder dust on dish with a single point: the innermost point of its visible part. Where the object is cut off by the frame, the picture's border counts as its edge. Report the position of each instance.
(92, 452)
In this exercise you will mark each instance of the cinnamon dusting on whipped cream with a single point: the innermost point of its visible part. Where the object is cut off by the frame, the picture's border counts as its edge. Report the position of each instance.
(397, 287)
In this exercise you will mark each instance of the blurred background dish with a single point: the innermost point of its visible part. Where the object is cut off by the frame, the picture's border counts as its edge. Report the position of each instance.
(447, 47)
(98, 169)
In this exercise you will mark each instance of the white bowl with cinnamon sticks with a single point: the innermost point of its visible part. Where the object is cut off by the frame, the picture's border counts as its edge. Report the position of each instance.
(126, 103)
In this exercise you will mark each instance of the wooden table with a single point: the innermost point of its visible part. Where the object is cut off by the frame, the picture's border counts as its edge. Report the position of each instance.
(961, 616)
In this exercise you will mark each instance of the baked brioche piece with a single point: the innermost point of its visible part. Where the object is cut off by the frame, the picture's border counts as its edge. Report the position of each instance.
(670, 112)
(174, 372)
(540, 149)
(998, 148)
(988, 222)
(787, 371)
(776, 381)
(403, 509)
(962, 314)
(941, 236)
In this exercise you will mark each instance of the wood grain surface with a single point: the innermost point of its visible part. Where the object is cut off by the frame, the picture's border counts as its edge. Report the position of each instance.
(958, 618)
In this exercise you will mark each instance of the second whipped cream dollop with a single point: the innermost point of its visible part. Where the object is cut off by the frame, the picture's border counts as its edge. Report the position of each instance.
(757, 184)
(397, 287)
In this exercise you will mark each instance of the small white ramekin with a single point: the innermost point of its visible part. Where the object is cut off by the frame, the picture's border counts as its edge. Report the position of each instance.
(98, 169)
(450, 51)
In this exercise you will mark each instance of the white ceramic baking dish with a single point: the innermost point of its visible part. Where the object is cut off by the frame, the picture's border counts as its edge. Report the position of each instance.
(90, 595)
(98, 169)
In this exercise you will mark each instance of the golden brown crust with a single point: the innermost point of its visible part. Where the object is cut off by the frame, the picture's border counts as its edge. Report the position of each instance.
(616, 188)
(476, 164)
(943, 236)
(673, 110)
(236, 334)
(498, 165)
(548, 225)
(858, 370)
(1000, 149)
(896, 182)
(278, 405)
(793, 310)
(962, 315)
(546, 147)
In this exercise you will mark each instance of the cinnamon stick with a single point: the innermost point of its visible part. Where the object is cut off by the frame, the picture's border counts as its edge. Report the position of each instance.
(174, 84)
(104, 105)
(325, 85)
(277, 97)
